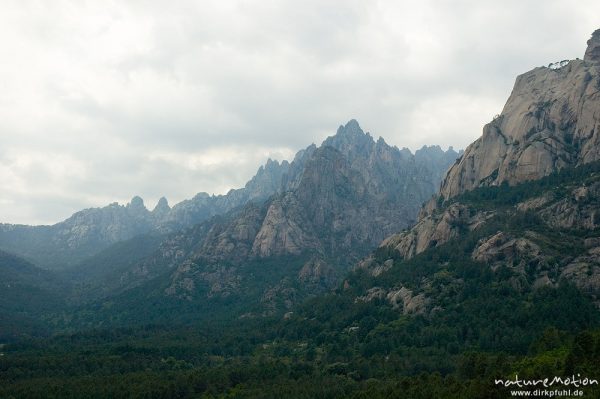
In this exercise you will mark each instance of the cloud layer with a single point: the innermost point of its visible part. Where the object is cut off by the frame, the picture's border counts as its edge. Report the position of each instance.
(100, 101)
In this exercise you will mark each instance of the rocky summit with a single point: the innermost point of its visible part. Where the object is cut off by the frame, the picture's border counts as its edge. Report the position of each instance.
(536, 164)
(592, 53)
(387, 175)
(335, 203)
(549, 122)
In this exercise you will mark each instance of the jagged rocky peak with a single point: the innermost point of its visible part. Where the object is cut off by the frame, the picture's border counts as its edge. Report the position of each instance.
(350, 138)
(136, 203)
(162, 206)
(272, 167)
(271, 164)
(550, 121)
(268, 179)
(405, 152)
(201, 196)
(136, 208)
(592, 53)
(351, 129)
(434, 152)
(303, 154)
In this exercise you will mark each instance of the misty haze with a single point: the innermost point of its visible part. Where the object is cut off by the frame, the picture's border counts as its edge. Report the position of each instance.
(336, 199)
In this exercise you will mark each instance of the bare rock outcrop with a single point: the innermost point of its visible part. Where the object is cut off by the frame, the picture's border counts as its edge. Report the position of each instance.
(317, 272)
(232, 239)
(220, 280)
(327, 209)
(577, 210)
(592, 54)
(584, 272)
(551, 120)
(282, 233)
(404, 299)
(502, 249)
(401, 298)
(436, 229)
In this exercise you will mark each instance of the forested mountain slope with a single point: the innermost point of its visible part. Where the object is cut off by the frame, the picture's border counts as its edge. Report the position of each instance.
(444, 323)
(265, 257)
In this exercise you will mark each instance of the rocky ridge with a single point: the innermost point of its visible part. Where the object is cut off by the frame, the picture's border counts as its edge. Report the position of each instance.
(351, 193)
(550, 121)
(89, 231)
(592, 53)
(552, 237)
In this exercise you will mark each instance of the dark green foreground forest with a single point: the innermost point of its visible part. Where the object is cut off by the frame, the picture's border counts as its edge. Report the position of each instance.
(485, 323)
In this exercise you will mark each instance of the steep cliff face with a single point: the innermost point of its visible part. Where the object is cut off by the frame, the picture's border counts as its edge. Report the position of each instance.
(551, 120)
(592, 53)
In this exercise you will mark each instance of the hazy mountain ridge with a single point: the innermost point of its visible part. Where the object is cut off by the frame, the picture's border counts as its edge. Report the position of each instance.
(348, 195)
(89, 231)
(85, 233)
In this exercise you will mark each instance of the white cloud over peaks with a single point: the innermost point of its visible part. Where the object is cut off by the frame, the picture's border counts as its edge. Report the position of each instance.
(103, 100)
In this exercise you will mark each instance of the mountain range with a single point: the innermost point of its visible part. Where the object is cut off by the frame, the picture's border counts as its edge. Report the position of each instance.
(89, 231)
(310, 219)
(319, 283)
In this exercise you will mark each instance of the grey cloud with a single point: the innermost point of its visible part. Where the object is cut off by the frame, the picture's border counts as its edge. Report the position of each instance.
(104, 87)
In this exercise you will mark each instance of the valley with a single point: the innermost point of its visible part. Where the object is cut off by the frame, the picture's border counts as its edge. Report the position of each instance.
(356, 270)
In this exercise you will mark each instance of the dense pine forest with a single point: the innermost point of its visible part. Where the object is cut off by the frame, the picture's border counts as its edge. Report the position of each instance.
(485, 323)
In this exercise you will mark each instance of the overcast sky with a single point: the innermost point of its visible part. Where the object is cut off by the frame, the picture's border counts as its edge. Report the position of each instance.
(103, 100)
